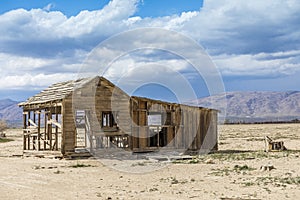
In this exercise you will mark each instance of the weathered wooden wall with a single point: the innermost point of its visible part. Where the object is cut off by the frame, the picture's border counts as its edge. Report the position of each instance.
(188, 127)
(94, 98)
(68, 127)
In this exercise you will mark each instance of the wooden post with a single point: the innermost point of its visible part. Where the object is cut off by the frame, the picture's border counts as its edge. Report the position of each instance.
(50, 129)
(45, 129)
(187, 129)
(214, 124)
(91, 143)
(24, 132)
(202, 127)
(28, 142)
(198, 138)
(34, 137)
(62, 112)
(157, 130)
(28, 123)
(142, 128)
(86, 113)
(34, 117)
(56, 129)
(178, 128)
(182, 129)
(143, 137)
(39, 130)
(28, 136)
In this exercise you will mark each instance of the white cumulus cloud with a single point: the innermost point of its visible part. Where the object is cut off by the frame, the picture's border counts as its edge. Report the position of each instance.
(245, 38)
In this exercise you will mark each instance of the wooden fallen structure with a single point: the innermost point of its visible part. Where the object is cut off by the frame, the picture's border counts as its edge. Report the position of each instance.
(93, 113)
(271, 145)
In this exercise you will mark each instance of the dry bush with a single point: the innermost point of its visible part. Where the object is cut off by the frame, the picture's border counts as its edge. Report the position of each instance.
(3, 126)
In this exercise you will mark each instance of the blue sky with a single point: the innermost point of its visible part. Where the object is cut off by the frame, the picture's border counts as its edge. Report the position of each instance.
(146, 8)
(255, 45)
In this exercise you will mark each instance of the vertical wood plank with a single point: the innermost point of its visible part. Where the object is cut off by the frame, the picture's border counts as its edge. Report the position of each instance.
(39, 130)
(24, 132)
(56, 128)
(45, 129)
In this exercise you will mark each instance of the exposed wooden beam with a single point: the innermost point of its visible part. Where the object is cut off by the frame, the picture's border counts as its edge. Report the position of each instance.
(53, 121)
(32, 123)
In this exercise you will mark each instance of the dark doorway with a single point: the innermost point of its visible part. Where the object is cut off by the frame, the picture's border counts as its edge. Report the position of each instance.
(158, 138)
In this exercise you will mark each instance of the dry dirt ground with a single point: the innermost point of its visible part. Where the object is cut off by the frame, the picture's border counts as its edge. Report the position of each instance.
(233, 173)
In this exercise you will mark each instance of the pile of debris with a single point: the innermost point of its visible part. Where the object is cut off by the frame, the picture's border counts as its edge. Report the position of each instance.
(271, 145)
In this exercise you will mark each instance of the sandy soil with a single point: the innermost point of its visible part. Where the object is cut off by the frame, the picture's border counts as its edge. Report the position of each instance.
(233, 173)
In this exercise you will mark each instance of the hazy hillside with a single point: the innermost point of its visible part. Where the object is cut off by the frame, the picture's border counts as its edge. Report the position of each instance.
(10, 112)
(256, 106)
(240, 106)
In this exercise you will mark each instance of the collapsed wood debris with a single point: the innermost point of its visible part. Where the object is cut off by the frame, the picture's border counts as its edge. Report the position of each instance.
(268, 167)
(271, 145)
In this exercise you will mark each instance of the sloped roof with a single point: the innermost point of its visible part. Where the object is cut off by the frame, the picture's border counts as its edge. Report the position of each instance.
(57, 91)
(60, 91)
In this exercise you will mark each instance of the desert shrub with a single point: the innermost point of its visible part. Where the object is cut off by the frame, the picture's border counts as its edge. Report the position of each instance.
(3, 126)
(2, 140)
(79, 165)
(244, 167)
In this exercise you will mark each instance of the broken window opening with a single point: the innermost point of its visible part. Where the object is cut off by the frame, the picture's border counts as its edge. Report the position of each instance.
(109, 120)
(158, 133)
(154, 119)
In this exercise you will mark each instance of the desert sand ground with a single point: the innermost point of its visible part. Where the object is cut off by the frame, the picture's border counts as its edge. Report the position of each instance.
(233, 173)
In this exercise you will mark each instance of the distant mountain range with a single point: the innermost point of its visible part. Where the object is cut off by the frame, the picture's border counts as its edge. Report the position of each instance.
(254, 106)
(234, 107)
(10, 112)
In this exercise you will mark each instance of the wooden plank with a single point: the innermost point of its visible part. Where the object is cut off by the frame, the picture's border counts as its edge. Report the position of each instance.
(191, 113)
(196, 124)
(32, 123)
(202, 127)
(24, 142)
(29, 117)
(45, 128)
(198, 138)
(28, 142)
(63, 149)
(56, 128)
(142, 104)
(170, 136)
(39, 131)
(134, 137)
(143, 137)
(142, 118)
(186, 126)
(214, 126)
(53, 121)
(50, 130)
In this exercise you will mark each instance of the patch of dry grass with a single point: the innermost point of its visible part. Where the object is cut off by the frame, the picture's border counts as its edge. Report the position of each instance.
(3, 140)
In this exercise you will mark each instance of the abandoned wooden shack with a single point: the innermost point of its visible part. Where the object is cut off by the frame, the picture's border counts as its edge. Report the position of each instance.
(93, 113)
